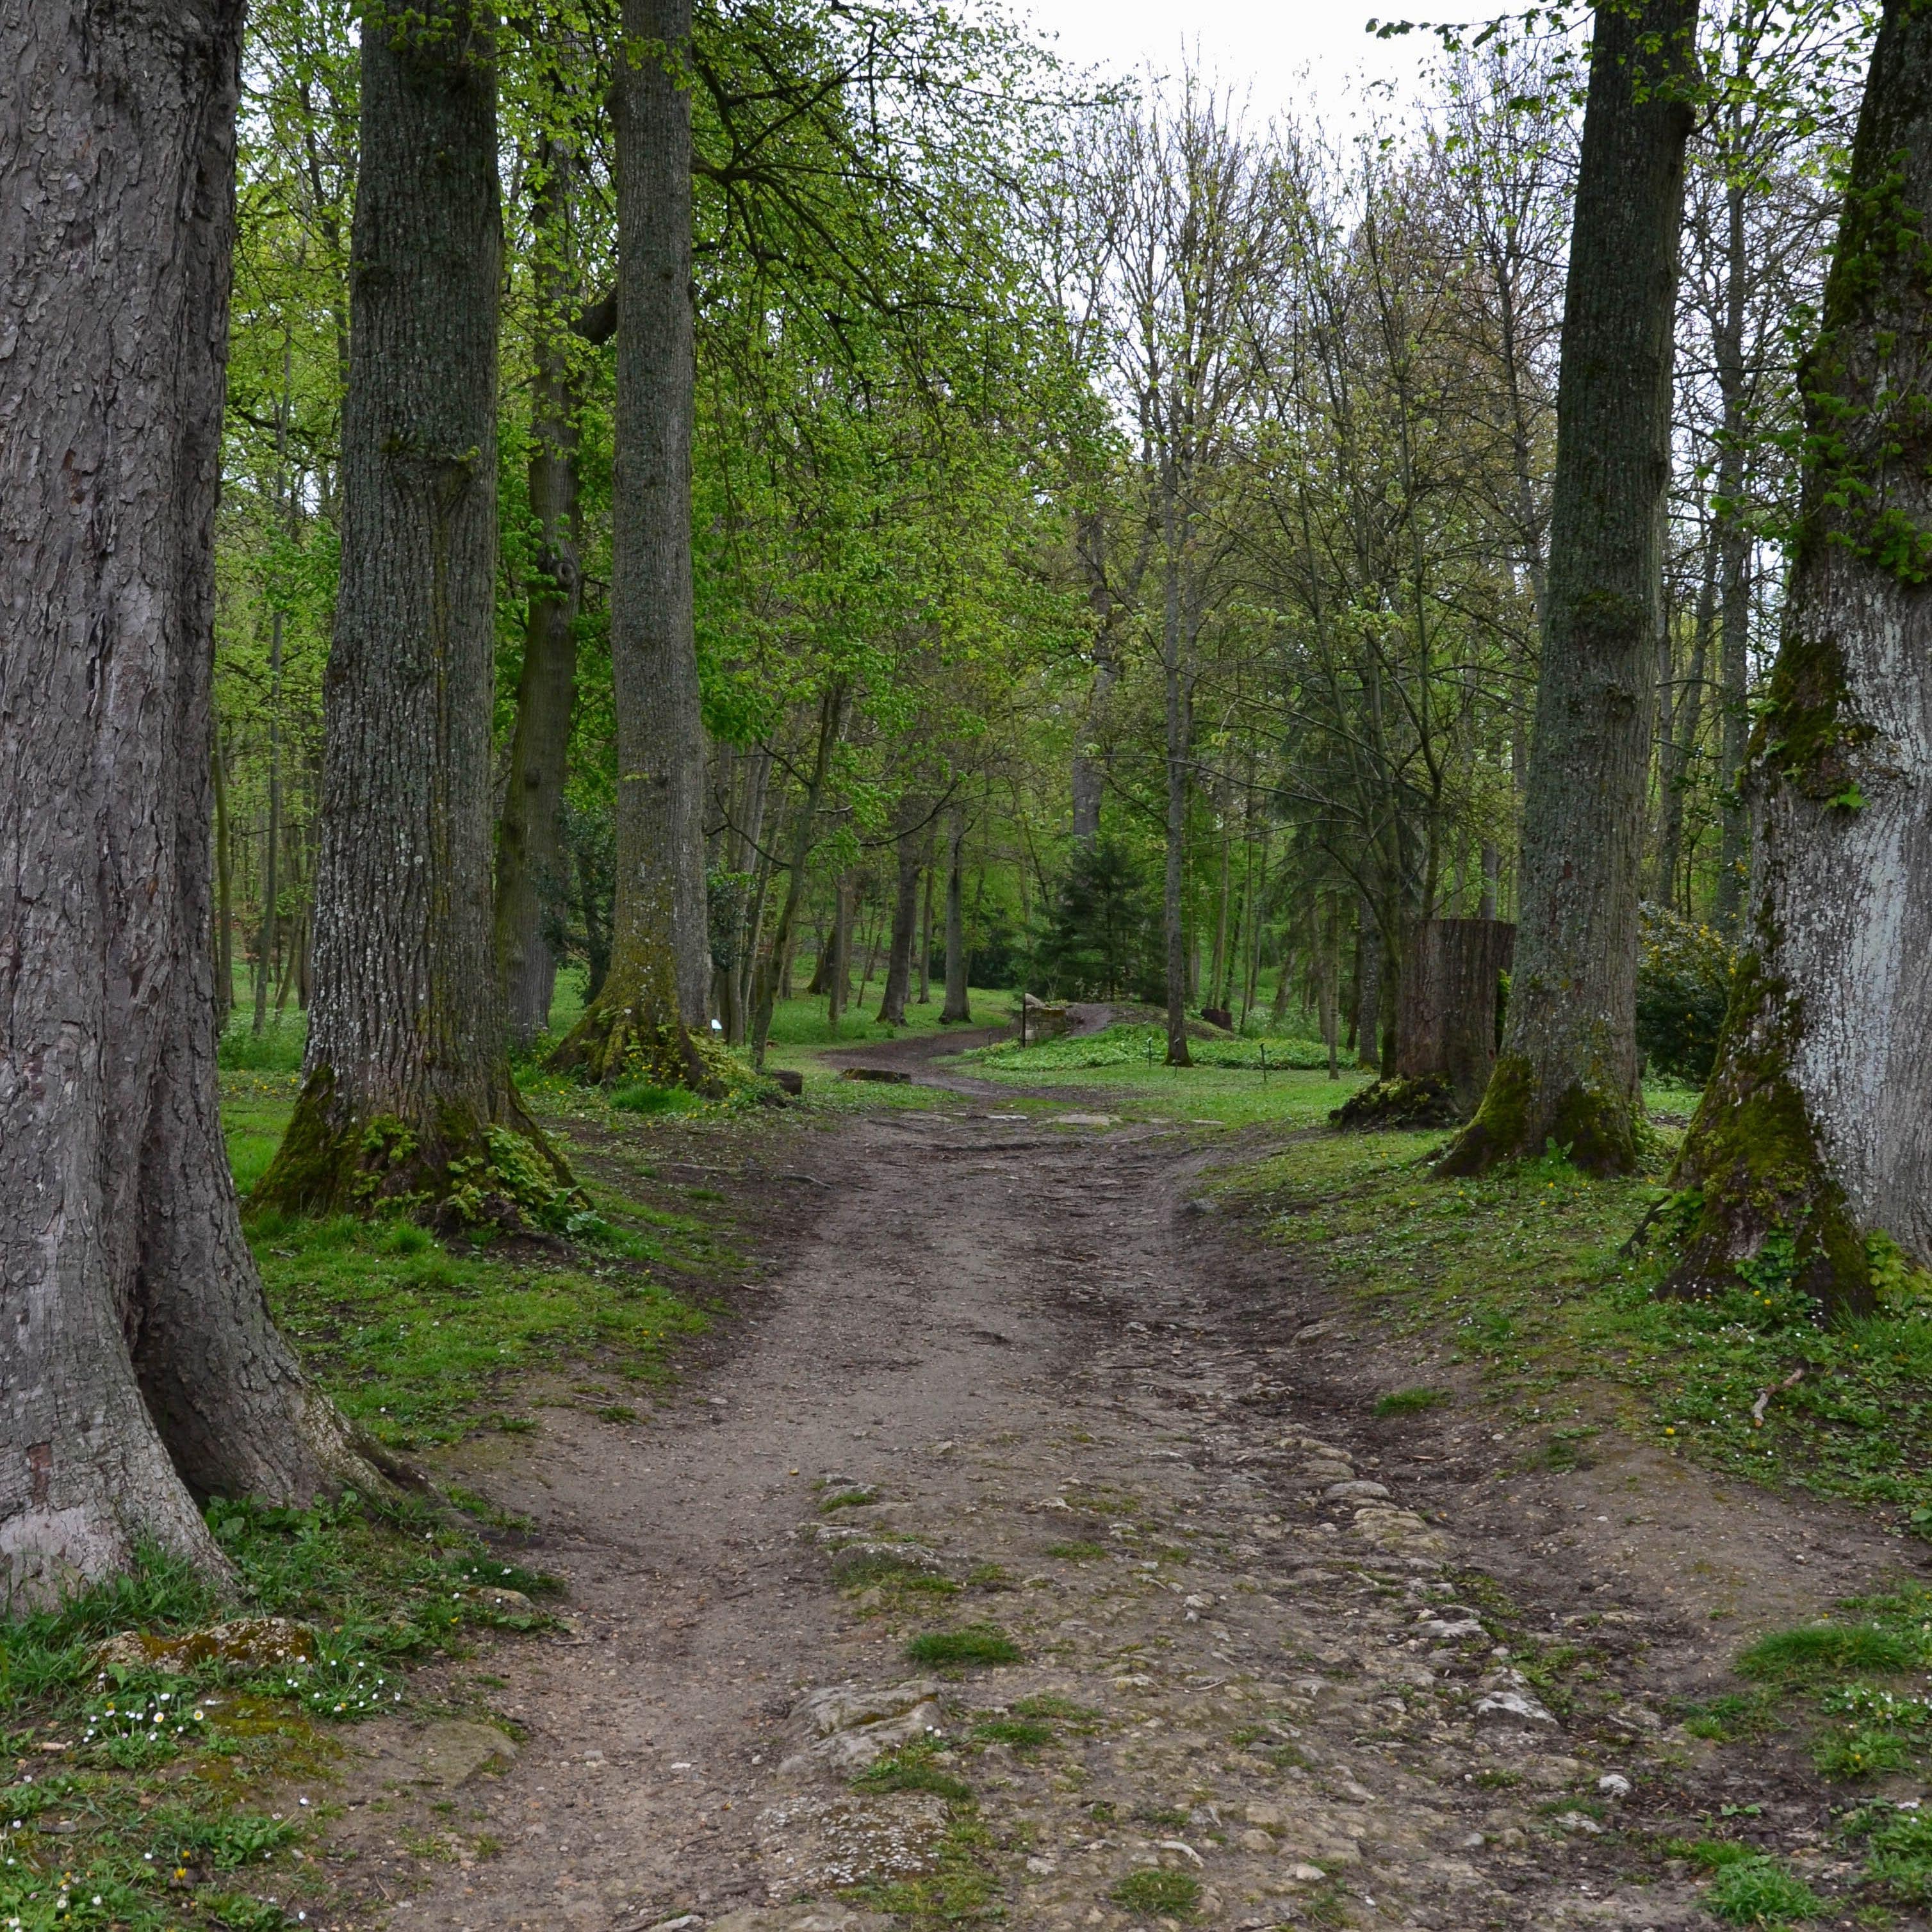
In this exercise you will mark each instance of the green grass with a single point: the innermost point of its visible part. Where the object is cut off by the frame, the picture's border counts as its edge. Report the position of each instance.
(1226, 1096)
(975, 1645)
(1141, 1047)
(1025, 1735)
(1412, 1401)
(1816, 1653)
(1173, 1893)
(417, 1342)
(1521, 1275)
(1758, 1890)
(156, 1763)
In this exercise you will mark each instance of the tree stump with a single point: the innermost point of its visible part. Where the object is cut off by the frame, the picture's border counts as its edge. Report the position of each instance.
(1446, 1021)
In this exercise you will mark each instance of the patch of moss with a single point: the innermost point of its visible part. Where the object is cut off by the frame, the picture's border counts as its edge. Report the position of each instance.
(1752, 1168)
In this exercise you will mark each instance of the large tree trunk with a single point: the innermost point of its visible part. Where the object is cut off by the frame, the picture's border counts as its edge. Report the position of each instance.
(406, 1068)
(957, 1010)
(660, 975)
(530, 860)
(1568, 1069)
(913, 815)
(1814, 1124)
(141, 1362)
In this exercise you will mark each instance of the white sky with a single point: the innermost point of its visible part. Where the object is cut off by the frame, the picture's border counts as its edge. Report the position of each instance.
(1290, 54)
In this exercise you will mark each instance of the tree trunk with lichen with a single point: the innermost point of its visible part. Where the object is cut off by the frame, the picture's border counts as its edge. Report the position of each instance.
(1816, 1127)
(407, 1093)
(655, 994)
(142, 1368)
(1567, 1072)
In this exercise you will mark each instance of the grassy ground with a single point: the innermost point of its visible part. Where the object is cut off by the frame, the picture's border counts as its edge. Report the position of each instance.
(1527, 1277)
(176, 1791)
(1233, 1083)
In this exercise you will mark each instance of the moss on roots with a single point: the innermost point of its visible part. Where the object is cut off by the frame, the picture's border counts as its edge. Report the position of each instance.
(625, 1036)
(1595, 1129)
(458, 1169)
(1753, 1170)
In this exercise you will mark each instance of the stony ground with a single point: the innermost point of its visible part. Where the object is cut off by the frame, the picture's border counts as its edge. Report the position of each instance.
(1278, 1663)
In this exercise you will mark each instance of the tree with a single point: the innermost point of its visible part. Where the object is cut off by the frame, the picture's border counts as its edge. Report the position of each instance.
(1809, 1142)
(531, 861)
(407, 1089)
(1568, 1067)
(143, 1367)
(659, 978)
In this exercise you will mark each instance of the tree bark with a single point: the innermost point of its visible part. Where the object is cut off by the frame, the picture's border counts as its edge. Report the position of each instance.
(1569, 1067)
(1678, 743)
(957, 1010)
(406, 1070)
(1089, 773)
(1369, 988)
(660, 974)
(142, 1366)
(913, 816)
(1734, 553)
(531, 866)
(839, 969)
(773, 978)
(1447, 1028)
(1173, 930)
(224, 900)
(1814, 1126)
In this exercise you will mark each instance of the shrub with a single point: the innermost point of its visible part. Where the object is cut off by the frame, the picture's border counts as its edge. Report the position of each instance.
(1683, 986)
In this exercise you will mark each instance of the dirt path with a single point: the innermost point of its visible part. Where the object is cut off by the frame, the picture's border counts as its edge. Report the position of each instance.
(1308, 1669)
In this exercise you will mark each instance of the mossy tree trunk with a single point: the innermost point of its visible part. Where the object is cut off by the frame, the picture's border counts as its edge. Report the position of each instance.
(1816, 1125)
(142, 1368)
(659, 980)
(407, 1082)
(1567, 1071)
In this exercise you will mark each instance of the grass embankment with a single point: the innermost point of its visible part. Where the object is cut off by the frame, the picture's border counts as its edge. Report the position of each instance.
(1524, 1277)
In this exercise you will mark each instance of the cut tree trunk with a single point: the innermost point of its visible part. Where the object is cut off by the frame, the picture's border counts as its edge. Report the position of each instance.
(913, 815)
(406, 1075)
(1568, 1069)
(1446, 1028)
(531, 864)
(654, 996)
(142, 1367)
(1813, 1129)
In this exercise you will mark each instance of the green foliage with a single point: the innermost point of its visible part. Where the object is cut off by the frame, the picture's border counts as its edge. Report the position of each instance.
(1683, 987)
(1105, 939)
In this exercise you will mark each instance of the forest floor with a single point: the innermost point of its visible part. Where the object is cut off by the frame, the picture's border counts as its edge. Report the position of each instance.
(1041, 1537)
(1032, 1495)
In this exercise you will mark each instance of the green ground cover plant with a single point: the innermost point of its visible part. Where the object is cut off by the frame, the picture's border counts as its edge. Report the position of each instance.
(1529, 1276)
(128, 1787)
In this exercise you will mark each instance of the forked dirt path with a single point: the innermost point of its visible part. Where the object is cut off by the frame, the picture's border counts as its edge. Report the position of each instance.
(1267, 1645)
